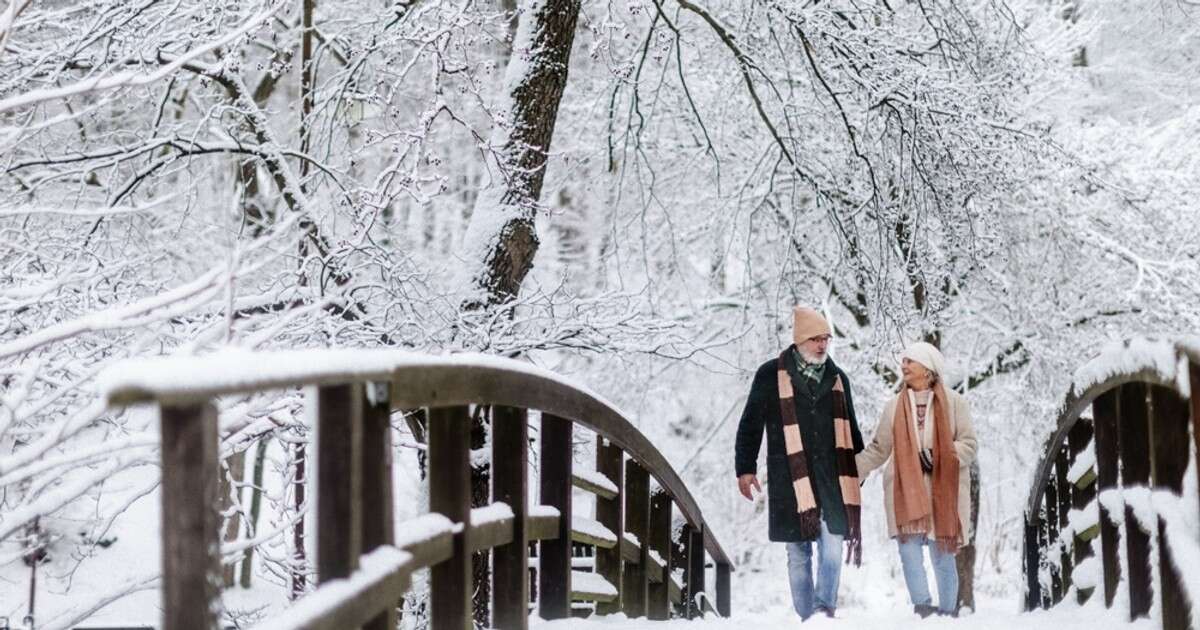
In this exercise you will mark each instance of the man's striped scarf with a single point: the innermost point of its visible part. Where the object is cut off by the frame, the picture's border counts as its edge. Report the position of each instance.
(807, 509)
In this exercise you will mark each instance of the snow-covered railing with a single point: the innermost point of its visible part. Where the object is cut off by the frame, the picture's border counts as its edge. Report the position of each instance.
(362, 564)
(1142, 412)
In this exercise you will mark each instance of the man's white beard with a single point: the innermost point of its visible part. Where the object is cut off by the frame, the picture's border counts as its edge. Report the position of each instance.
(812, 359)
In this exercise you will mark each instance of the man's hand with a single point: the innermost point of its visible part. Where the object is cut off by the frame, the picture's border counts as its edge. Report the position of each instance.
(744, 484)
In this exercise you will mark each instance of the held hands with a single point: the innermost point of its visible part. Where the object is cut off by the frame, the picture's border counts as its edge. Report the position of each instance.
(744, 484)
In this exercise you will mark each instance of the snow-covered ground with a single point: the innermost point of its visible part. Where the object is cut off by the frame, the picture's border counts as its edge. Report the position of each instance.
(991, 616)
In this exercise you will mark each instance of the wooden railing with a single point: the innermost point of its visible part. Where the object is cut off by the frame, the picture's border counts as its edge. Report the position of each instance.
(1096, 478)
(364, 567)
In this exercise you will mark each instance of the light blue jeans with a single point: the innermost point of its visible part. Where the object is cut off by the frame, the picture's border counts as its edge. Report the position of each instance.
(829, 571)
(945, 572)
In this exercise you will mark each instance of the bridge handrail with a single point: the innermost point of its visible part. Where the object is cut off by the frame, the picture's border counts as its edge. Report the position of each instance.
(345, 380)
(1144, 394)
(418, 380)
(1095, 378)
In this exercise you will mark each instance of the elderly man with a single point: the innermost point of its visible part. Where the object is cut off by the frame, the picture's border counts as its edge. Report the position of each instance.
(802, 400)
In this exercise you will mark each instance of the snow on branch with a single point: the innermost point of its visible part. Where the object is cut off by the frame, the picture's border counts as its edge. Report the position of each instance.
(134, 78)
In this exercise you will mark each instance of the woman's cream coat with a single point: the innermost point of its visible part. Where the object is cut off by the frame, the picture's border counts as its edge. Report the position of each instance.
(879, 452)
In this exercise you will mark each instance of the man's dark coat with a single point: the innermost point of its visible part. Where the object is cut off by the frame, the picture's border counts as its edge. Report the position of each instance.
(814, 413)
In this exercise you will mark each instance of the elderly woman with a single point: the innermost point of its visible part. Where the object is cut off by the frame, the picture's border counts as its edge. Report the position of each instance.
(926, 439)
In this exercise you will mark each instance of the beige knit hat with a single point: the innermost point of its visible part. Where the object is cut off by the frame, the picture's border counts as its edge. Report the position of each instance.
(808, 324)
(927, 355)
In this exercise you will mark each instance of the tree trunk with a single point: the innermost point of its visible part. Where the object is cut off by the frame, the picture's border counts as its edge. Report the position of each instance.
(965, 560)
(260, 455)
(231, 505)
(500, 242)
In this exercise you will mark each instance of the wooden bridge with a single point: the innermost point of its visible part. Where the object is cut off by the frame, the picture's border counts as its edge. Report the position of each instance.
(1117, 477)
(1114, 476)
(363, 565)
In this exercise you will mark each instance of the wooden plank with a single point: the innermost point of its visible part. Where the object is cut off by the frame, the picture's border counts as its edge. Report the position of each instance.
(635, 584)
(450, 496)
(339, 480)
(541, 526)
(588, 531)
(430, 540)
(376, 475)
(190, 521)
(610, 512)
(385, 574)
(631, 552)
(695, 572)
(554, 556)
(723, 589)
(1169, 460)
(1105, 424)
(490, 534)
(587, 485)
(592, 588)
(658, 597)
(510, 485)
(1135, 471)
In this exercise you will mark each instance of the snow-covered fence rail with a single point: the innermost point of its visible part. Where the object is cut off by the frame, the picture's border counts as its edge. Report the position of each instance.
(363, 565)
(1142, 411)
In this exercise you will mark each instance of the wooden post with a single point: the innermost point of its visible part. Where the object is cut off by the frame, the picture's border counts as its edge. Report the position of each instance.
(1105, 414)
(1050, 527)
(510, 485)
(1062, 465)
(339, 480)
(1169, 427)
(611, 514)
(1079, 439)
(554, 558)
(190, 521)
(695, 572)
(1194, 377)
(1135, 471)
(723, 589)
(1033, 585)
(1043, 538)
(681, 557)
(450, 495)
(377, 498)
(637, 522)
(658, 600)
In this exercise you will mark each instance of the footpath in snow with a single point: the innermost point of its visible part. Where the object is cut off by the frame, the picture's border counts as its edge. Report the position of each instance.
(997, 617)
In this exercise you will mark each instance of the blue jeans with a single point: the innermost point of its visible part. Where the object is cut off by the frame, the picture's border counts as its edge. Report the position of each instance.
(945, 572)
(829, 571)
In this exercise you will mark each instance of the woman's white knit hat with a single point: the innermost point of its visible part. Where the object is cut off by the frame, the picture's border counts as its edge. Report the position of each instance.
(927, 355)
